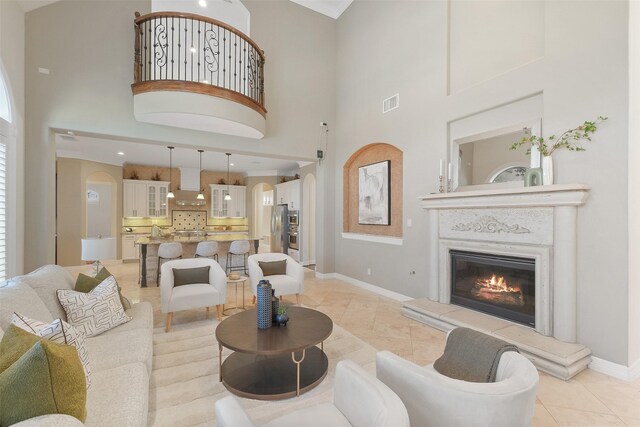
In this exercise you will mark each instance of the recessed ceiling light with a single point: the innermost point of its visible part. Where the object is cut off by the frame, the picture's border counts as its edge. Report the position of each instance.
(193, 49)
(231, 164)
(70, 133)
(205, 81)
(202, 3)
(120, 153)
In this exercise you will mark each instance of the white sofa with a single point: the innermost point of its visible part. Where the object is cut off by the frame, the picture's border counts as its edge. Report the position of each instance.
(434, 400)
(284, 284)
(359, 399)
(120, 359)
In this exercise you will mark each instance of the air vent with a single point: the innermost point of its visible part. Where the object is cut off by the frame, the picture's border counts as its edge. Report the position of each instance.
(391, 103)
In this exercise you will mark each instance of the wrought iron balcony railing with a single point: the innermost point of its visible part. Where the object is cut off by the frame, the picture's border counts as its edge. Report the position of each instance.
(193, 53)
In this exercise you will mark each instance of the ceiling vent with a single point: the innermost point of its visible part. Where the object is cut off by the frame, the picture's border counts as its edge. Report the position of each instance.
(391, 103)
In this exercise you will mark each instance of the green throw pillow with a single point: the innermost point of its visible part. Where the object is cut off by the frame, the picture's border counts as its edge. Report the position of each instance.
(189, 276)
(273, 268)
(86, 284)
(39, 377)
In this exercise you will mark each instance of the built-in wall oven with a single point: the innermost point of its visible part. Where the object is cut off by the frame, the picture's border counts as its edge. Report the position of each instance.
(293, 218)
(293, 229)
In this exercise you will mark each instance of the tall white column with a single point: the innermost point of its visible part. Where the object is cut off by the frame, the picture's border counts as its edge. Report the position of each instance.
(565, 273)
(433, 285)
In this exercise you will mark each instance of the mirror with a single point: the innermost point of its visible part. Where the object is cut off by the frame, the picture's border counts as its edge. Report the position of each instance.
(486, 159)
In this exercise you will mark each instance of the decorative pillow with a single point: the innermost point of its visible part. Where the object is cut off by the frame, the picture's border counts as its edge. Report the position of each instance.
(39, 377)
(95, 312)
(86, 284)
(189, 276)
(57, 331)
(273, 268)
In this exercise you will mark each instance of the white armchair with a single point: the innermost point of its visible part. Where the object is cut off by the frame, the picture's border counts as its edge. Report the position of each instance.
(359, 399)
(284, 284)
(188, 297)
(435, 400)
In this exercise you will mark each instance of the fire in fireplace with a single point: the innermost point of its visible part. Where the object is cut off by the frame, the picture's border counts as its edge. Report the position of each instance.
(502, 286)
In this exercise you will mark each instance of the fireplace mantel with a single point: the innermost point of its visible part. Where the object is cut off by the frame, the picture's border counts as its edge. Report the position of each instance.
(546, 195)
(529, 222)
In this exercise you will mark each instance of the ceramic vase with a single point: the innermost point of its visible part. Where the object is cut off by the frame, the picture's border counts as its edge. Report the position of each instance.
(547, 170)
(282, 319)
(263, 304)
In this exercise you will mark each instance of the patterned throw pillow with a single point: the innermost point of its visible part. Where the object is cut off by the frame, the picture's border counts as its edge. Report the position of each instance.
(95, 312)
(57, 331)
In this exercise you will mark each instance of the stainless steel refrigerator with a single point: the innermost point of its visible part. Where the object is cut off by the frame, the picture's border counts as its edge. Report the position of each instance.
(280, 229)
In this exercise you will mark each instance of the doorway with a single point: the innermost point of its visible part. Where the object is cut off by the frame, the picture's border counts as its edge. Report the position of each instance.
(262, 211)
(308, 224)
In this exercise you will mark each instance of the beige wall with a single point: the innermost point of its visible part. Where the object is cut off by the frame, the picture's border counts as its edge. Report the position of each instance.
(72, 177)
(251, 182)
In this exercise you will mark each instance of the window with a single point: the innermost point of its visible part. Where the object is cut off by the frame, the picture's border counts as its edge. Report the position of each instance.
(5, 126)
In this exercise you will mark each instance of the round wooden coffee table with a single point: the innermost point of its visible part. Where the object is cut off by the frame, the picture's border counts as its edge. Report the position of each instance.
(274, 363)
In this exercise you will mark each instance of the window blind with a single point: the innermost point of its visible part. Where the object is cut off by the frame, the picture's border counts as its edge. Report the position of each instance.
(3, 209)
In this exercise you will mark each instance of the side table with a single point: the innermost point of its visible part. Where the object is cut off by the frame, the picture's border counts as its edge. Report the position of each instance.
(235, 309)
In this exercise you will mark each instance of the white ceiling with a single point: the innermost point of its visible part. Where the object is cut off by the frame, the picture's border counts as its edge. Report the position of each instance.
(106, 151)
(331, 8)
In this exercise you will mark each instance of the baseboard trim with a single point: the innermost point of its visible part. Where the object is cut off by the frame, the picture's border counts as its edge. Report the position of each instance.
(325, 276)
(373, 288)
(625, 373)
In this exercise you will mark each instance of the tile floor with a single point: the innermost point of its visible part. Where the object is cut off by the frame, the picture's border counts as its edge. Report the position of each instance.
(589, 399)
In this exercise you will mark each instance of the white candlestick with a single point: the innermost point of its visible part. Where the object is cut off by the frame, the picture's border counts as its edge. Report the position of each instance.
(450, 171)
(441, 167)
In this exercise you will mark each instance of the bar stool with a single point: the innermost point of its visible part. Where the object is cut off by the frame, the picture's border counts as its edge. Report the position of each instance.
(168, 251)
(238, 247)
(207, 250)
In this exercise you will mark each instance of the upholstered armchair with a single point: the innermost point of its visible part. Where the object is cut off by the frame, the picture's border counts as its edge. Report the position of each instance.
(284, 284)
(192, 296)
(359, 399)
(434, 400)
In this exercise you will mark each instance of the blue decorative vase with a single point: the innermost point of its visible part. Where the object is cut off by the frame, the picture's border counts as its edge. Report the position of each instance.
(264, 305)
(282, 319)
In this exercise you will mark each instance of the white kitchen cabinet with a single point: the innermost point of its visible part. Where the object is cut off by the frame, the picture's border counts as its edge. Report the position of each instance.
(129, 249)
(288, 193)
(236, 207)
(145, 198)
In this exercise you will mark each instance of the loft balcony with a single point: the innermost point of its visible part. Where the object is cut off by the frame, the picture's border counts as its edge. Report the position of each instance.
(195, 72)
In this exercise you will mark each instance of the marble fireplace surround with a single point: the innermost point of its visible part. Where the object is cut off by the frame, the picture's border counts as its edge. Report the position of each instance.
(529, 222)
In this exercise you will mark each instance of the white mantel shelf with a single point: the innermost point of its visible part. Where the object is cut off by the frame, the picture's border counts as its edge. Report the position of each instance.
(546, 195)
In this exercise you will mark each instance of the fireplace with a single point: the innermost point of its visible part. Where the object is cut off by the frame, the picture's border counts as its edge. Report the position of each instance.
(502, 286)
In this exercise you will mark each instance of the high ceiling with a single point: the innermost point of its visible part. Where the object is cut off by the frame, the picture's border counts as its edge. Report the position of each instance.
(106, 151)
(331, 8)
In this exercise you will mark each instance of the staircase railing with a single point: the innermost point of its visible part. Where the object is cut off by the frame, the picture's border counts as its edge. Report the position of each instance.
(193, 53)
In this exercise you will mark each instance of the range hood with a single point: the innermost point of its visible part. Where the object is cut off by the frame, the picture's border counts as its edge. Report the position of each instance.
(189, 188)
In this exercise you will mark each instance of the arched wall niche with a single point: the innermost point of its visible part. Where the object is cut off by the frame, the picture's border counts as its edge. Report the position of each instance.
(373, 153)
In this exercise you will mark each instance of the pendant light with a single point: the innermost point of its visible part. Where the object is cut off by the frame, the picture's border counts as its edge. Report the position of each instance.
(228, 195)
(200, 195)
(170, 195)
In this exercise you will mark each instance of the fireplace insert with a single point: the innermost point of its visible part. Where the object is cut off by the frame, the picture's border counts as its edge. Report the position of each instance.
(502, 286)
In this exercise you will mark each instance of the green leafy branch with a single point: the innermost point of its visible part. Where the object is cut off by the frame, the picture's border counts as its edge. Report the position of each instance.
(570, 140)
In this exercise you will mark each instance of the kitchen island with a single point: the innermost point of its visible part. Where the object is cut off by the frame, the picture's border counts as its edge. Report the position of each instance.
(149, 250)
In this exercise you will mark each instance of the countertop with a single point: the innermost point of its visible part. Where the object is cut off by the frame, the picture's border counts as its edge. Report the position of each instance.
(228, 237)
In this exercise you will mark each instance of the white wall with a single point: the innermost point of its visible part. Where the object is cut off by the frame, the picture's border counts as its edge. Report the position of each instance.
(12, 45)
(634, 182)
(232, 13)
(88, 47)
(377, 45)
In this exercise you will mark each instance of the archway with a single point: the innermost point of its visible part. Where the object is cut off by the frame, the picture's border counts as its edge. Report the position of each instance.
(262, 196)
(308, 225)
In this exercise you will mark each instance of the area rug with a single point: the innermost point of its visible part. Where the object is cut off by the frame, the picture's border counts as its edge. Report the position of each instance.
(184, 381)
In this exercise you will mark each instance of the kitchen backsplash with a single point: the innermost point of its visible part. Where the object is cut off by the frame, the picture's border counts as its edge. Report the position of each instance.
(189, 220)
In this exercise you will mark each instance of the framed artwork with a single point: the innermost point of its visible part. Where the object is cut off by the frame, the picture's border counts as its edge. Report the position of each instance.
(374, 196)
